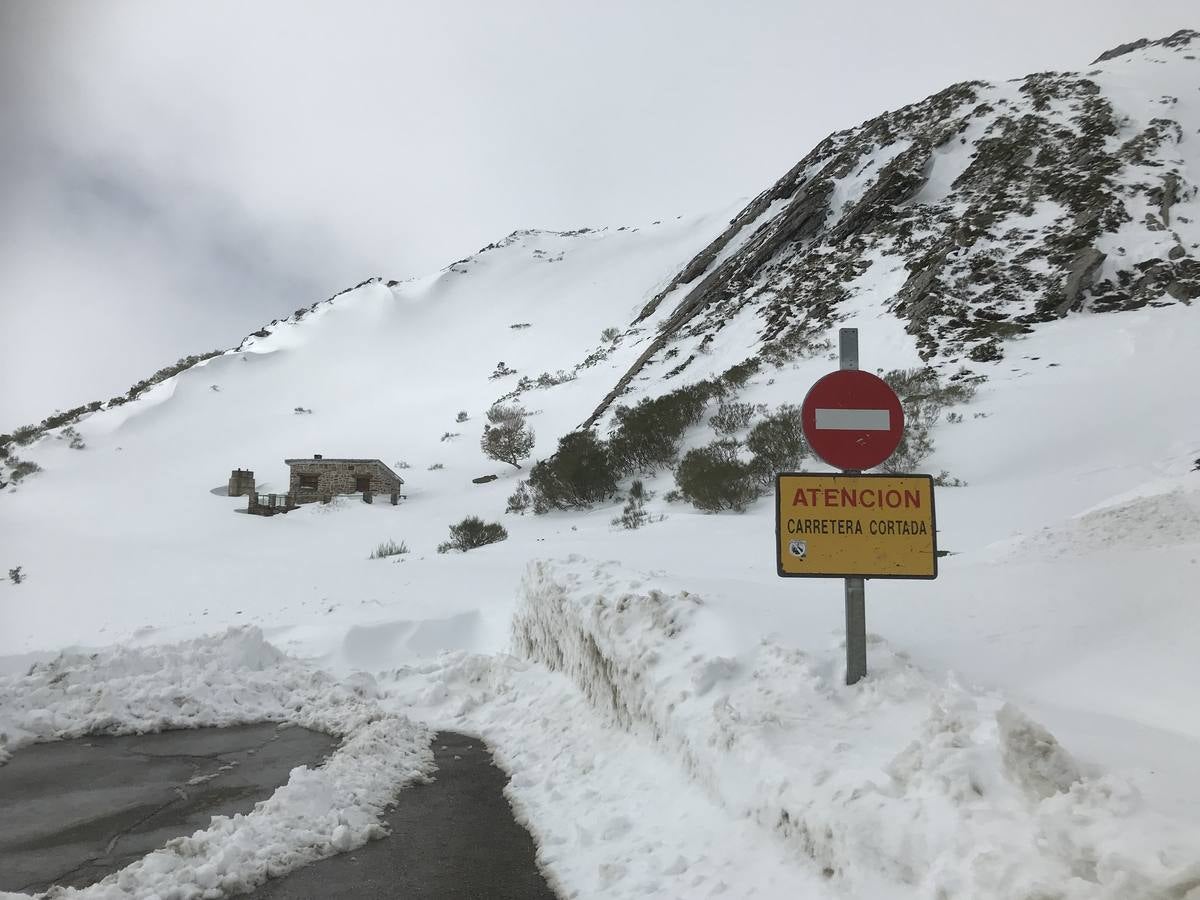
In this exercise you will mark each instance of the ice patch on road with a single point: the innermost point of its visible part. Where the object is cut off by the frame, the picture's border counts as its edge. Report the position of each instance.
(232, 679)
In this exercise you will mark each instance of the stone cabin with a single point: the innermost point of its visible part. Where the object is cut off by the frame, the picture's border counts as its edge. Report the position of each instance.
(319, 478)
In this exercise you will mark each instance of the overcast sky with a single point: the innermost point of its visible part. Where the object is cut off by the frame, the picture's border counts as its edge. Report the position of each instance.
(173, 175)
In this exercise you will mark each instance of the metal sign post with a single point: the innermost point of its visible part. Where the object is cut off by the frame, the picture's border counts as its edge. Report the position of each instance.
(856, 589)
(849, 525)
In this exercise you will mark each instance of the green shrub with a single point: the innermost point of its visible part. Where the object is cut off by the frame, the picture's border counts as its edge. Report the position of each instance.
(777, 443)
(634, 514)
(506, 437)
(26, 435)
(801, 342)
(20, 468)
(473, 532)
(73, 438)
(736, 377)
(579, 474)
(389, 548)
(924, 396)
(520, 500)
(646, 437)
(731, 417)
(713, 478)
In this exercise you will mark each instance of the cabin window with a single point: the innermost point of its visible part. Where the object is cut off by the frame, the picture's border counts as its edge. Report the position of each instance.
(362, 483)
(308, 482)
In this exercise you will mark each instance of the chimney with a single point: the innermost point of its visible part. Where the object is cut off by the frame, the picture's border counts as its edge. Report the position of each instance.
(316, 456)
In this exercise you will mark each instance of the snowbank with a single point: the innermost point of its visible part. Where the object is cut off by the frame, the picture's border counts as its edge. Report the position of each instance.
(933, 786)
(235, 678)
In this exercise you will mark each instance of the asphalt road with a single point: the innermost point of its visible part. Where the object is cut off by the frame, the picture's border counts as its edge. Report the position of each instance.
(75, 811)
(452, 839)
(72, 812)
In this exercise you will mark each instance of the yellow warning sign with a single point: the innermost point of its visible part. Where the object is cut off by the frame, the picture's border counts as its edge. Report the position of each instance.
(844, 526)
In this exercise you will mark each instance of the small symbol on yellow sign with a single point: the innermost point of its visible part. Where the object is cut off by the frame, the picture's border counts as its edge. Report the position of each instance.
(798, 549)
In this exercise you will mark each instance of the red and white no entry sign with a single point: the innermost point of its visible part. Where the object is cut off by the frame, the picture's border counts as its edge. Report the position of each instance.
(852, 419)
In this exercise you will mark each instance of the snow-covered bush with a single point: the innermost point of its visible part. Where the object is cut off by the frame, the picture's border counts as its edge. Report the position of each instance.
(450, 435)
(15, 575)
(462, 416)
(473, 532)
(579, 474)
(608, 335)
(506, 436)
(714, 478)
(777, 443)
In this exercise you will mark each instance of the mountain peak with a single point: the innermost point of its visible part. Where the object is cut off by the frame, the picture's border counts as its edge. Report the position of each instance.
(1182, 38)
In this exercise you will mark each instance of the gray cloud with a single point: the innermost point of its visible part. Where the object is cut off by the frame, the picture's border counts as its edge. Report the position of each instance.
(172, 175)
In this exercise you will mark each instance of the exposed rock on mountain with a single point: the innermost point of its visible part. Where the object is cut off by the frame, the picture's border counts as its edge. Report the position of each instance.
(1001, 205)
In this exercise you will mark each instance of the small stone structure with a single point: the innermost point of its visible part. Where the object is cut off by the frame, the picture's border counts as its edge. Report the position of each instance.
(270, 504)
(321, 479)
(241, 483)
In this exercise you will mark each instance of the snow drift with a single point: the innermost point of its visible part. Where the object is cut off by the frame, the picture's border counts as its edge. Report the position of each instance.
(924, 782)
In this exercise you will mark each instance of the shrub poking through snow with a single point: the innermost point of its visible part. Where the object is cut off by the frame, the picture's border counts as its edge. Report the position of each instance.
(26, 435)
(389, 548)
(502, 370)
(579, 474)
(646, 437)
(924, 397)
(777, 443)
(736, 377)
(462, 416)
(731, 417)
(634, 514)
(520, 500)
(608, 335)
(302, 411)
(714, 478)
(506, 436)
(436, 467)
(473, 532)
(15, 576)
(450, 435)
(20, 468)
(73, 438)
(802, 342)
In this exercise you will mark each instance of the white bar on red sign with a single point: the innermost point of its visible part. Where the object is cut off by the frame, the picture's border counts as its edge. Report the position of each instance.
(854, 419)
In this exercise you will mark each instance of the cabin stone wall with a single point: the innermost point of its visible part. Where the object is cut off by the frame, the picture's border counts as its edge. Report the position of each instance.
(334, 477)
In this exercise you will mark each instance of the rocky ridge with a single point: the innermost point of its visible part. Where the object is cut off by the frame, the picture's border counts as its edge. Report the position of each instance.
(1007, 205)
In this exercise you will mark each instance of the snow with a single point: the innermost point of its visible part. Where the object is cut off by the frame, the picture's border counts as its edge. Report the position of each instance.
(234, 678)
(674, 722)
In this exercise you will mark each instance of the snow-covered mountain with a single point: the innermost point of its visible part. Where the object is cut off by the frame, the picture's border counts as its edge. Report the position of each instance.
(1040, 236)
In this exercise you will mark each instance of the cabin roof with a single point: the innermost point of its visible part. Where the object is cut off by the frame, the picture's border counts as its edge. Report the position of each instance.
(326, 459)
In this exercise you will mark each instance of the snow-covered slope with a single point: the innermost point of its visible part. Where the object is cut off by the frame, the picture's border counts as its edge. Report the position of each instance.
(668, 668)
